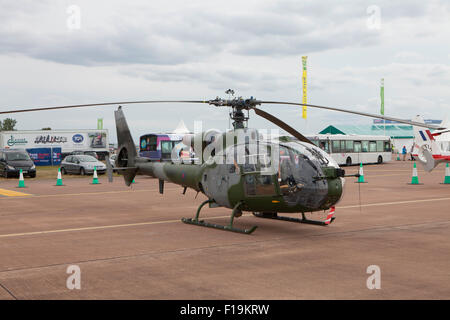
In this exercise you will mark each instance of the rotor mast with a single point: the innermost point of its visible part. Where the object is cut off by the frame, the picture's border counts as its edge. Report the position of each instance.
(240, 108)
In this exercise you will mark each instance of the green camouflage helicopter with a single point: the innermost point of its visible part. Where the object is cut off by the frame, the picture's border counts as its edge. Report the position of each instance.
(239, 169)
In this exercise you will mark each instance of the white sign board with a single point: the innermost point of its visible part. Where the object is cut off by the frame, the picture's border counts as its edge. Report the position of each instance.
(96, 140)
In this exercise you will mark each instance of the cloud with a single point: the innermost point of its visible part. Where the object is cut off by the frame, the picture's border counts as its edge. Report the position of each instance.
(147, 34)
(198, 49)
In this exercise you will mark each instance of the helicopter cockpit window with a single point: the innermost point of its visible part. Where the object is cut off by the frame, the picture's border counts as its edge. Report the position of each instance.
(310, 153)
(252, 158)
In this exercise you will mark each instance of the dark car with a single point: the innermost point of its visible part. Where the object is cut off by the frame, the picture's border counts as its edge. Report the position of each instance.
(12, 160)
(82, 164)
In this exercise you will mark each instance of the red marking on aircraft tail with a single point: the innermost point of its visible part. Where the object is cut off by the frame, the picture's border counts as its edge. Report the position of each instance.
(430, 135)
(440, 156)
(330, 215)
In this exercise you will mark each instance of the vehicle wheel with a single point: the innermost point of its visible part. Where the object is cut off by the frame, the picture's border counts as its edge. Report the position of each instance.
(33, 175)
(380, 159)
(348, 162)
(63, 170)
(82, 172)
(5, 174)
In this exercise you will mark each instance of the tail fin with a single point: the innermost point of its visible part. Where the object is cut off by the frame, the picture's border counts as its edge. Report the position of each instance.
(126, 155)
(425, 146)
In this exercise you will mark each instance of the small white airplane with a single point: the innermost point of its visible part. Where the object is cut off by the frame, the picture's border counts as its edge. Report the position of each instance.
(431, 149)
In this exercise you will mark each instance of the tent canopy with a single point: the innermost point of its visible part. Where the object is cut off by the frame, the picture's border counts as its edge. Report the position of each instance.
(395, 131)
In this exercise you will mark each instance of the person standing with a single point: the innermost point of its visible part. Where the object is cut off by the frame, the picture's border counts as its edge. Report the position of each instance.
(404, 153)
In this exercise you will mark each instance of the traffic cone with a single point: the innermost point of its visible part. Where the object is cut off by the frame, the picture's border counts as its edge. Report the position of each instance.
(415, 177)
(21, 180)
(361, 174)
(59, 181)
(95, 179)
(398, 156)
(447, 175)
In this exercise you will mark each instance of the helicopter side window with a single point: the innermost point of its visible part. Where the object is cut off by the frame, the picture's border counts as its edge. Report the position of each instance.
(259, 185)
(248, 167)
(264, 185)
(250, 186)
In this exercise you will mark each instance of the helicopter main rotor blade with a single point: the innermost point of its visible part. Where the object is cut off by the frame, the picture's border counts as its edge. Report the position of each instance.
(241, 103)
(412, 123)
(283, 125)
(100, 104)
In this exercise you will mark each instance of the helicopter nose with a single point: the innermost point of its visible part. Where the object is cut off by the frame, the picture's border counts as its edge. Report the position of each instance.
(335, 188)
(313, 189)
(335, 181)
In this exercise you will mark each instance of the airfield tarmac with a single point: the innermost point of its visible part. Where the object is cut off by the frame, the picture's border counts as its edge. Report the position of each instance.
(130, 244)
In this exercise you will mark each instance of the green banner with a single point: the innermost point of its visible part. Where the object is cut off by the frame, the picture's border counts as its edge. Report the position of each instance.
(382, 96)
(100, 124)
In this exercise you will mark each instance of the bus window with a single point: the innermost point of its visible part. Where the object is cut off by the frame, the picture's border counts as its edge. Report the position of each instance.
(325, 146)
(380, 146)
(166, 147)
(336, 144)
(387, 146)
(364, 146)
(349, 146)
(343, 146)
(357, 146)
(372, 146)
(148, 143)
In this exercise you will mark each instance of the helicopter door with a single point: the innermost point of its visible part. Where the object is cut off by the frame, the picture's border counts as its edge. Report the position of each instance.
(257, 184)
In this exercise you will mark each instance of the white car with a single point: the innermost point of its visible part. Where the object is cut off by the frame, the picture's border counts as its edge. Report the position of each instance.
(112, 160)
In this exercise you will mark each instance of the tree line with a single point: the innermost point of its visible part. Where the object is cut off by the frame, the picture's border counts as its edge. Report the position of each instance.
(8, 124)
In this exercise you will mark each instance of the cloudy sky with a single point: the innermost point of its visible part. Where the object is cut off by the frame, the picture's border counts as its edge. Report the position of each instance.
(71, 52)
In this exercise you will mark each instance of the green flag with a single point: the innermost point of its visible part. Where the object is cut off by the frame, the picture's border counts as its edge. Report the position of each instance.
(382, 96)
(100, 124)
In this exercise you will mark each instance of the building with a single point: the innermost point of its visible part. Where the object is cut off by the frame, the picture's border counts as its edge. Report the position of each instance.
(401, 134)
(47, 147)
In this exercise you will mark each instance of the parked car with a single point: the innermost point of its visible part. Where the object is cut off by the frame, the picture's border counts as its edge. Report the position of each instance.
(12, 160)
(88, 153)
(112, 160)
(82, 164)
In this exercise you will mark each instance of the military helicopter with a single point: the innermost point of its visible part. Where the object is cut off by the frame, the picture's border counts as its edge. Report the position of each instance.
(242, 170)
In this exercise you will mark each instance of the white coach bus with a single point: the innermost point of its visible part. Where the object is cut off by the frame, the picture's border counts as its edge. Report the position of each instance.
(355, 149)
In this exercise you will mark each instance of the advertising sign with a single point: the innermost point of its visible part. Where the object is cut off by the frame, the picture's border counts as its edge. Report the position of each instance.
(98, 139)
(45, 156)
(68, 141)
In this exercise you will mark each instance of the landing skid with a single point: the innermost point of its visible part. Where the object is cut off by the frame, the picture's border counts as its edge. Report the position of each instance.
(228, 227)
(275, 216)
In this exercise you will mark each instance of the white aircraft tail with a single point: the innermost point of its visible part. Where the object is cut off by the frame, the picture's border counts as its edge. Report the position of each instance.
(426, 150)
